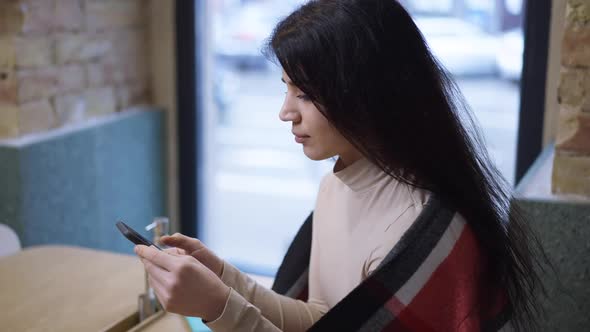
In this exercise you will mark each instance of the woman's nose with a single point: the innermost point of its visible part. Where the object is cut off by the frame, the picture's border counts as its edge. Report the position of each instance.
(289, 113)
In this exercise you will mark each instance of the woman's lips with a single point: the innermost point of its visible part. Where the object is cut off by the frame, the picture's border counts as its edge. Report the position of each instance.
(300, 139)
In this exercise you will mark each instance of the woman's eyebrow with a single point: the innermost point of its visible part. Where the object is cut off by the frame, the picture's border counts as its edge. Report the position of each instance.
(283, 80)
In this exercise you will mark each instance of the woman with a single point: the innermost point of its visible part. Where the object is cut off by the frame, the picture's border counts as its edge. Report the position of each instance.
(413, 231)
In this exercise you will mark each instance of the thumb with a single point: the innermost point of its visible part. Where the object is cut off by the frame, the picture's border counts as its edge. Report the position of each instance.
(178, 240)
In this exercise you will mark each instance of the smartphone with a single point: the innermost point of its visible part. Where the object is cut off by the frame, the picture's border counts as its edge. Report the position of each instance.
(133, 236)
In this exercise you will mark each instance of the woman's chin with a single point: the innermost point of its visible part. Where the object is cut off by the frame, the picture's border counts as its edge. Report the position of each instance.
(315, 155)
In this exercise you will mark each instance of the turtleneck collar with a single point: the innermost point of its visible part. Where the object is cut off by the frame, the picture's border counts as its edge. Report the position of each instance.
(360, 175)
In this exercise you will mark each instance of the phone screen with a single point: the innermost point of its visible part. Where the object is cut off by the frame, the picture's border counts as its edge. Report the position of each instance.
(133, 236)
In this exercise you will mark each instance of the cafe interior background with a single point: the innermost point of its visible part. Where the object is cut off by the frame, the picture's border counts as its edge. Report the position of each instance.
(164, 114)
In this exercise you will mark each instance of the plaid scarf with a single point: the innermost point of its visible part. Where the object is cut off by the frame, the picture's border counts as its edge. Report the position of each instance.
(429, 281)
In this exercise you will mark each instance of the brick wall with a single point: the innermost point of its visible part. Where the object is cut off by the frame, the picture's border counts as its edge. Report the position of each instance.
(63, 61)
(571, 168)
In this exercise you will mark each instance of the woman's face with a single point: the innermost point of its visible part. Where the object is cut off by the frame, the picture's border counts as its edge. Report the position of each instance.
(310, 127)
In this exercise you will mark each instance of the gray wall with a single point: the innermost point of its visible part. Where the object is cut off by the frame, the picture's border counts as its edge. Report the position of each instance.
(563, 225)
(564, 230)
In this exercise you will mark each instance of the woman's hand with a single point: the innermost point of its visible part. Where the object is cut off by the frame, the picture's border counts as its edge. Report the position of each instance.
(183, 285)
(195, 248)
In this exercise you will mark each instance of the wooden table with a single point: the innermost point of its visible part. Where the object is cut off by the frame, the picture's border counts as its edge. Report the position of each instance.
(60, 288)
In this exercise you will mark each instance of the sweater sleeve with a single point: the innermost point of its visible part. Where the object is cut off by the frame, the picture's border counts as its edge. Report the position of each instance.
(252, 307)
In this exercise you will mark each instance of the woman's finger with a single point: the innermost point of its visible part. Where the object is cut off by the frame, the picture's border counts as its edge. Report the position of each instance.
(160, 290)
(155, 256)
(155, 271)
(175, 251)
(189, 244)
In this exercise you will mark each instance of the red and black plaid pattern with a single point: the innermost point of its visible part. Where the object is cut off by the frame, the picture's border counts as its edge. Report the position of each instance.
(429, 281)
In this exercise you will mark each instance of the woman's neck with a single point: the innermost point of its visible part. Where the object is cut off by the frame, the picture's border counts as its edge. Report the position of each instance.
(344, 163)
(348, 158)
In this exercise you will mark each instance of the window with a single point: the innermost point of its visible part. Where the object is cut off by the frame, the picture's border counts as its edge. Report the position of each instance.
(259, 186)
(262, 186)
(480, 42)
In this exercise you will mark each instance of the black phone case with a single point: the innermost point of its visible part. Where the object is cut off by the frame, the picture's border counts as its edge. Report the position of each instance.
(133, 236)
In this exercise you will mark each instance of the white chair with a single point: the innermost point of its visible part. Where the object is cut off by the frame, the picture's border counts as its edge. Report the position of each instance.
(9, 242)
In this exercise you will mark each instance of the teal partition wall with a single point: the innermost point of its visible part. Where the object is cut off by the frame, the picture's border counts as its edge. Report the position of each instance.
(71, 185)
(563, 225)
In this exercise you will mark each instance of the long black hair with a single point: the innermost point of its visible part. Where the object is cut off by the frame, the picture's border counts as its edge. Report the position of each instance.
(366, 66)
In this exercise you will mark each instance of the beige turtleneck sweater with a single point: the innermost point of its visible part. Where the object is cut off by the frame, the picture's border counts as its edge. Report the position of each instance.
(360, 214)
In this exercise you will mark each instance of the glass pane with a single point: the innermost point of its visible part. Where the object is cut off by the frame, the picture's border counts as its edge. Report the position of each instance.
(480, 42)
(263, 186)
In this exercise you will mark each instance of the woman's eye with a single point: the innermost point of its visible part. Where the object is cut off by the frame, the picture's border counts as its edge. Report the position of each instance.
(303, 97)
